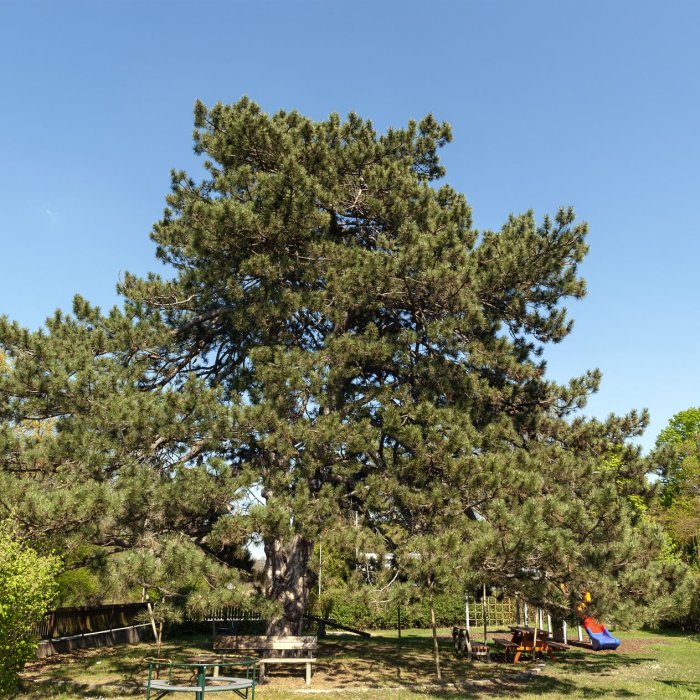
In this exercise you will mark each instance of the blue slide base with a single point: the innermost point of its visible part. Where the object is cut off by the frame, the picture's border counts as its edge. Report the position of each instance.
(603, 640)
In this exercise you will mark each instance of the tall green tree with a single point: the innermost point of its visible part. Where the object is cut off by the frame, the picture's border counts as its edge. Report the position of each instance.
(334, 337)
(678, 460)
(369, 340)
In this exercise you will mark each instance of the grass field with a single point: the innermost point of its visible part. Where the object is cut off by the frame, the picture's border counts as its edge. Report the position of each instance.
(661, 665)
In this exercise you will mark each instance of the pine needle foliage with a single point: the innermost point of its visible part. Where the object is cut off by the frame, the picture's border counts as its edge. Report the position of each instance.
(336, 338)
(384, 356)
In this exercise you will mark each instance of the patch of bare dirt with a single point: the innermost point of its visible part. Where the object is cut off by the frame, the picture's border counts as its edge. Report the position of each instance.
(628, 646)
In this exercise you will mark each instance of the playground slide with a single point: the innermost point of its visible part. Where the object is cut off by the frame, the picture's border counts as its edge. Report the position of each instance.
(600, 637)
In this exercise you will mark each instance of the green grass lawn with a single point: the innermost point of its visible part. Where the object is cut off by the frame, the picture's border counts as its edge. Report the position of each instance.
(658, 664)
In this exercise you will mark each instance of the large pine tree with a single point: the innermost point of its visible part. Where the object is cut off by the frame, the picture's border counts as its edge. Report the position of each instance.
(380, 351)
(337, 338)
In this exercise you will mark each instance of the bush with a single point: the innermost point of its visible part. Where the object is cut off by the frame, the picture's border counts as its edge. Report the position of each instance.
(79, 587)
(683, 608)
(27, 589)
(357, 610)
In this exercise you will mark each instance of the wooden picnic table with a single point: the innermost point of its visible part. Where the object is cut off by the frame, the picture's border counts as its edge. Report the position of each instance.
(529, 630)
(529, 639)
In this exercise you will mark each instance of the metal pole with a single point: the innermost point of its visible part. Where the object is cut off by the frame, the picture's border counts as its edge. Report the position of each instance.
(580, 636)
(564, 626)
(201, 682)
(483, 608)
(466, 610)
(525, 614)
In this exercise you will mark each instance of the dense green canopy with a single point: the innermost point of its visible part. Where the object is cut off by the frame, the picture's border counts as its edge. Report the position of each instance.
(334, 338)
(678, 459)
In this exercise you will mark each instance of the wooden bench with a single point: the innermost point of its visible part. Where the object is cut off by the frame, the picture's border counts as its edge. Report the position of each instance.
(286, 650)
(462, 642)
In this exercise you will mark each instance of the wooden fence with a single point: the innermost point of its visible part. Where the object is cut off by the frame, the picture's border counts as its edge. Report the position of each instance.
(70, 622)
(227, 614)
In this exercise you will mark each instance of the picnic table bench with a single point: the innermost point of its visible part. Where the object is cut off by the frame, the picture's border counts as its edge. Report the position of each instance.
(528, 639)
(507, 644)
(286, 650)
(542, 635)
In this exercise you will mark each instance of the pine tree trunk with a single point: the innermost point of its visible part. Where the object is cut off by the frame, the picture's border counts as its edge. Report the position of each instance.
(433, 625)
(286, 583)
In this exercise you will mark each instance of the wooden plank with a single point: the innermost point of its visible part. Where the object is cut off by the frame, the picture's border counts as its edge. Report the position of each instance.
(239, 643)
(251, 638)
(286, 644)
(505, 643)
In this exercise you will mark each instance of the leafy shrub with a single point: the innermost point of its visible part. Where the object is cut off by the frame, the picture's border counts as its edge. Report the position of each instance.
(682, 610)
(78, 587)
(27, 589)
(358, 610)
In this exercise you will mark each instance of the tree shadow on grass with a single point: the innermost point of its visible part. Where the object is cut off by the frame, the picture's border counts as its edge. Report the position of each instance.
(603, 664)
(542, 686)
(693, 686)
(124, 665)
(383, 662)
(374, 665)
(67, 689)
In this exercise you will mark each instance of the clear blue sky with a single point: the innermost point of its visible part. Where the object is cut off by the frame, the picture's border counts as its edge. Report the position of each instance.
(594, 104)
